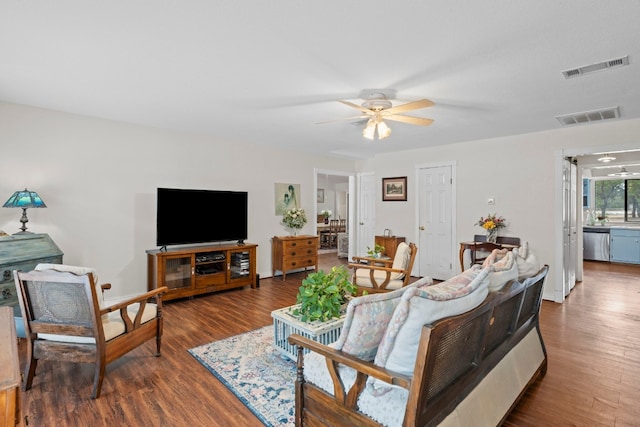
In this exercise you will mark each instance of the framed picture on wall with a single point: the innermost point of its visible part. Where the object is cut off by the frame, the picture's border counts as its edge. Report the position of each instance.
(394, 189)
(320, 196)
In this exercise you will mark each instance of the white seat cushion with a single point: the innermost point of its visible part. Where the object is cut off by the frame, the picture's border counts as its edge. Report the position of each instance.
(362, 277)
(112, 329)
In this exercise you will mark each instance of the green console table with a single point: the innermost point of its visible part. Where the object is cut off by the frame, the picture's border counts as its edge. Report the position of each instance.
(23, 252)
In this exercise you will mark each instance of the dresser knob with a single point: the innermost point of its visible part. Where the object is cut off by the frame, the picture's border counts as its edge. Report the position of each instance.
(6, 275)
(293, 253)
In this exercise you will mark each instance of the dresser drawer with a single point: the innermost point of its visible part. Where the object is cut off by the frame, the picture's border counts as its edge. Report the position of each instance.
(293, 263)
(8, 293)
(301, 251)
(291, 245)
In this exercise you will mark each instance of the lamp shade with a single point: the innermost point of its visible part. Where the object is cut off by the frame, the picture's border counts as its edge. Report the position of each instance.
(24, 199)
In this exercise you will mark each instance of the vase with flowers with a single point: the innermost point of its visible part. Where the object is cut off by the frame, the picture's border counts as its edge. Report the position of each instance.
(294, 220)
(491, 225)
(326, 213)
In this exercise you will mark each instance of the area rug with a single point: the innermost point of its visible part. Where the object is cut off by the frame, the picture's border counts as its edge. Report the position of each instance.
(255, 372)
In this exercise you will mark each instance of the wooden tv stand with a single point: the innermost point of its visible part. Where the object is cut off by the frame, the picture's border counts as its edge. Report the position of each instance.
(195, 270)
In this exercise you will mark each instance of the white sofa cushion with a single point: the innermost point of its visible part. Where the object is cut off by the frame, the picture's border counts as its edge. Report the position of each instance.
(367, 318)
(528, 263)
(503, 268)
(421, 306)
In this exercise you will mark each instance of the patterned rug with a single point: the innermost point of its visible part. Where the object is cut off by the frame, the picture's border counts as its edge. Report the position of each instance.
(255, 372)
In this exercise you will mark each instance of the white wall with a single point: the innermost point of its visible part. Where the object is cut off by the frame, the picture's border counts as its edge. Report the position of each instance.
(99, 179)
(520, 172)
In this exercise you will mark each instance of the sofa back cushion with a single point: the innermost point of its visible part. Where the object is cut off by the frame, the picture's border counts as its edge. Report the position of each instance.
(367, 318)
(528, 263)
(503, 268)
(401, 260)
(422, 306)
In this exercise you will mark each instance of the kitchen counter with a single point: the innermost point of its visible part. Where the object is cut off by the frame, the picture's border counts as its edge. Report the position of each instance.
(596, 228)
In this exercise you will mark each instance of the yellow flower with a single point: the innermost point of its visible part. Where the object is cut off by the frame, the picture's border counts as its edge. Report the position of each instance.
(489, 225)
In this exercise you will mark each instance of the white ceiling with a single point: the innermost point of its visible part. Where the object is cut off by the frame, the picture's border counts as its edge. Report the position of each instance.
(266, 72)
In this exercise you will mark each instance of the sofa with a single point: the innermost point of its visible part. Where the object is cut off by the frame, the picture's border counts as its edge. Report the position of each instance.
(456, 353)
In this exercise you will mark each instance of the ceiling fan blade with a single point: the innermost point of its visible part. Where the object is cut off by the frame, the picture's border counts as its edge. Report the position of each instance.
(357, 107)
(343, 119)
(410, 120)
(415, 105)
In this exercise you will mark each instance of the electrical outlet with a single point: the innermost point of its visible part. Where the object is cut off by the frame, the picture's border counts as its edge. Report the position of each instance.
(491, 201)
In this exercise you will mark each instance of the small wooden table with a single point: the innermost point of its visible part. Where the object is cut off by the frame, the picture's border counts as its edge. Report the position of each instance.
(472, 247)
(285, 324)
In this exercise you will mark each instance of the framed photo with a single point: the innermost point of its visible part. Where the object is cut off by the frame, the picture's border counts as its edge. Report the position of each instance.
(320, 196)
(394, 189)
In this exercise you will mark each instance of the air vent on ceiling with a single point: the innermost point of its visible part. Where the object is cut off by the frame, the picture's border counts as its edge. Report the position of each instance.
(618, 62)
(589, 116)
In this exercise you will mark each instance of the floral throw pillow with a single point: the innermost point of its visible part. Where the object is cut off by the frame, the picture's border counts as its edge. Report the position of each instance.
(367, 318)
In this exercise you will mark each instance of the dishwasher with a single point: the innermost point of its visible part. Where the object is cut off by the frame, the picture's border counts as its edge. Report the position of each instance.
(596, 243)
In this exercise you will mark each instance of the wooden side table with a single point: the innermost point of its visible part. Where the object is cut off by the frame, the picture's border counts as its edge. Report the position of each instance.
(9, 371)
(390, 244)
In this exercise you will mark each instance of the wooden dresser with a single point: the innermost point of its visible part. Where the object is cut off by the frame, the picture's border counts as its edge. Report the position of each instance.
(390, 244)
(293, 252)
(9, 371)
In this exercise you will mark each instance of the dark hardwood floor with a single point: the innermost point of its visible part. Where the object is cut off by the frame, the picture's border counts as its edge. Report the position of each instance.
(593, 343)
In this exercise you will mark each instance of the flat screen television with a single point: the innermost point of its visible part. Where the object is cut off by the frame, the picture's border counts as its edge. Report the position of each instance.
(186, 216)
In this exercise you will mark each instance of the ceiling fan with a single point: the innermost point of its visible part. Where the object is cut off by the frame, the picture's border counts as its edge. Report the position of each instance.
(378, 108)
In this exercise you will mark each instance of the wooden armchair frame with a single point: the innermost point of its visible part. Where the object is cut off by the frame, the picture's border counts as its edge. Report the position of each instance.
(75, 328)
(374, 265)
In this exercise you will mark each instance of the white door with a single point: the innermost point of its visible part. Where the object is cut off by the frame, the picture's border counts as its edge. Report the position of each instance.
(569, 220)
(365, 213)
(435, 199)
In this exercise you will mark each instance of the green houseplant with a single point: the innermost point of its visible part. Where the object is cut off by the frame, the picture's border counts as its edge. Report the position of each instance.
(376, 251)
(322, 295)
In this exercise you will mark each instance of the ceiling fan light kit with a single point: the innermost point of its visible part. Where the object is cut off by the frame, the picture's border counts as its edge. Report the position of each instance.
(378, 108)
(375, 123)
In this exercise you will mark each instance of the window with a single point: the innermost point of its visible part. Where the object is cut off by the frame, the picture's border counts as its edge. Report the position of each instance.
(617, 199)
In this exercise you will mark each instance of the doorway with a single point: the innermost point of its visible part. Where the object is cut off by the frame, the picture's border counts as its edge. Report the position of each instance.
(570, 259)
(334, 191)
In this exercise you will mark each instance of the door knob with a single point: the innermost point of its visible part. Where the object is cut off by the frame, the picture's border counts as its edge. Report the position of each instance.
(422, 228)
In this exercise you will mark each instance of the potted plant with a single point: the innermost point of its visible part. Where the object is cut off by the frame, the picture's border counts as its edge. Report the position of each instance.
(322, 295)
(376, 252)
(326, 213)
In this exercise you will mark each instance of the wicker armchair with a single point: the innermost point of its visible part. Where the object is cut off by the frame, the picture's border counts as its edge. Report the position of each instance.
(65, 319)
